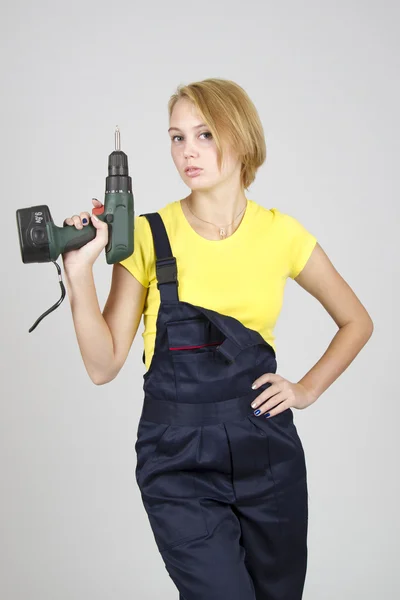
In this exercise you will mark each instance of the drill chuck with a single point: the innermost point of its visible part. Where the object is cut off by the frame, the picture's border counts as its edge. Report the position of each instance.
(118, 179)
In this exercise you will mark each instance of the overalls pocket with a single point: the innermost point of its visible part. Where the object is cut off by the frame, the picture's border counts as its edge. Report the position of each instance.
(193, 336)
(287, 457)
(202, 373)
(149, 437)
(295, 437)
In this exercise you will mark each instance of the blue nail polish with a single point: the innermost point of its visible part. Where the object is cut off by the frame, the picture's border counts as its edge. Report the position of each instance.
(84, 220)
(257, 412)
(267, 415)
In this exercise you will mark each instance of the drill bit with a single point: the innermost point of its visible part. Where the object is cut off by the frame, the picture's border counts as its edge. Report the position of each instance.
(117, 138)
(118, 179)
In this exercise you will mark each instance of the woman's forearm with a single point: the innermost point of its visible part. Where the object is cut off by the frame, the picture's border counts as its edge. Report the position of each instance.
(92, 332)
(344, 347)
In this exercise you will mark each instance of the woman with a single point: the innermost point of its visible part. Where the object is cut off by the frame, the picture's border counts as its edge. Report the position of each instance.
(220, 465)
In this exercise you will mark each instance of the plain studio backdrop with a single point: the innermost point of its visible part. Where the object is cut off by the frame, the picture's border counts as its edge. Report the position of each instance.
(325, 79)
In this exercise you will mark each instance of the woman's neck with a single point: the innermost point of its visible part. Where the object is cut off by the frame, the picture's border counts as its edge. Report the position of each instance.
(216, 209)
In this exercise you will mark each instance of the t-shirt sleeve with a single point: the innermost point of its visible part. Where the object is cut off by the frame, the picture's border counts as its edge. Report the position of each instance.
(301, 243)
(143, 252)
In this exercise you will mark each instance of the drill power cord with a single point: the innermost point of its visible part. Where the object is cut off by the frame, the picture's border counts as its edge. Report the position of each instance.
(57, 304)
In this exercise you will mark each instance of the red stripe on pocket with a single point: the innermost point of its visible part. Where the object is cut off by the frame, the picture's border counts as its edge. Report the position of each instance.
(194, 347)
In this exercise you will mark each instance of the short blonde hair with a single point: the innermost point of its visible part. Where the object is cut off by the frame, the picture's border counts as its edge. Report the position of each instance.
(232, 118)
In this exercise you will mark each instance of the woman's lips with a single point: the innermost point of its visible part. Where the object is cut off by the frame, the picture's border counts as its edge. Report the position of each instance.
(193, 172)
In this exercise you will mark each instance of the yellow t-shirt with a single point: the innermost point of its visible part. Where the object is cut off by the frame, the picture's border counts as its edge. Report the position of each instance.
(242, 276)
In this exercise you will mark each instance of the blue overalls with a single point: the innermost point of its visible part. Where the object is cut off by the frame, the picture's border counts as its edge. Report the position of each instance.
(225, 491)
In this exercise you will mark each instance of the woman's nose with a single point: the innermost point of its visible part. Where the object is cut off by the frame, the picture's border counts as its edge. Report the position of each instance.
(189, 150)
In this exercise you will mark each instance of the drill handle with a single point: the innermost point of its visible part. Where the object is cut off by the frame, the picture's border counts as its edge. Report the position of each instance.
(73, 239)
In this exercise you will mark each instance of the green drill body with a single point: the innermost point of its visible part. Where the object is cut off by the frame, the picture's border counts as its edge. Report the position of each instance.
(118, 214)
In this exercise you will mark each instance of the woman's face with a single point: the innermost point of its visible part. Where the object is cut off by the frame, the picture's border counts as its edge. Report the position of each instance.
(192, 144)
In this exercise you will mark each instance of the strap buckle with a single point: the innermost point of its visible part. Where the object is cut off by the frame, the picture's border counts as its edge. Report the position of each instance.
(166, 271)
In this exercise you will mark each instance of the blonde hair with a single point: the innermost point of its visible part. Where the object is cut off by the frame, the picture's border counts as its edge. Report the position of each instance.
(232, 118)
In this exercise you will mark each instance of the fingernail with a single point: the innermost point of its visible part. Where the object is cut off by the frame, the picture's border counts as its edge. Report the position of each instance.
(257, 412)
(267, 415)
(84, 220)
(94, 217)
(254, 405)
(253, 387)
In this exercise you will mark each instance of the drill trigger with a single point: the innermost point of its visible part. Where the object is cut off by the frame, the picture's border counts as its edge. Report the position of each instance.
(98, 211)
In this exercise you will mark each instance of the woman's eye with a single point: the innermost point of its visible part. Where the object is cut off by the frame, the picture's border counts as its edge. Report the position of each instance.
(204, 133)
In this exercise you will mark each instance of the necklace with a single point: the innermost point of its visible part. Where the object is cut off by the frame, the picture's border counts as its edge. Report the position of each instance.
(222, 230)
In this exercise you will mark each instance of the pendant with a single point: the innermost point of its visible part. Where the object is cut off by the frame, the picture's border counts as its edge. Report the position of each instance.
(222, 232)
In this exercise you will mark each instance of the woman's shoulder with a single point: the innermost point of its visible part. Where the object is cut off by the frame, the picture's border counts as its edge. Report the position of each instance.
(282, 226)
(279, 218)
(265, 216)
(166, 211)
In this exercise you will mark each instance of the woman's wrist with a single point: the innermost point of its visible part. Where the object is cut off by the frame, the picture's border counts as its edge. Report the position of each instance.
(78, 271)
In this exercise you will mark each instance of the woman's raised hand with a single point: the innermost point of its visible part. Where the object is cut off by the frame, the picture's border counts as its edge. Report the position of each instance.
(87, 254)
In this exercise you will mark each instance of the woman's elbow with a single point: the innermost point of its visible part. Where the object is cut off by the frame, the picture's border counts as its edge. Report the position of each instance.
(101, 379)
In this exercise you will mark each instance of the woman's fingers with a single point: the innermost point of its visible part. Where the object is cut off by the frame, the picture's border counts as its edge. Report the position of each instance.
(85, 218)
(74, 220)
(79, 221)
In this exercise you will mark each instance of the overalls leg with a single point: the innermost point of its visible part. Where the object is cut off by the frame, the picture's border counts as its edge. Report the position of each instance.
(185, 478)
(272, 508)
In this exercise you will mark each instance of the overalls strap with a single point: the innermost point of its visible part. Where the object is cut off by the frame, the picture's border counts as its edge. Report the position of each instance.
(166, 268)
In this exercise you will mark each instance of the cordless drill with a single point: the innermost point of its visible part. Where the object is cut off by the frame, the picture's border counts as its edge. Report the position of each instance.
(42, 241)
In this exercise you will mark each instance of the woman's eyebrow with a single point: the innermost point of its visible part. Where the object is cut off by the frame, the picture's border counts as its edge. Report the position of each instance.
(195, 127)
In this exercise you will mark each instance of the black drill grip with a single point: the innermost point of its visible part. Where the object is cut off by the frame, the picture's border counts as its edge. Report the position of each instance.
(76, 238)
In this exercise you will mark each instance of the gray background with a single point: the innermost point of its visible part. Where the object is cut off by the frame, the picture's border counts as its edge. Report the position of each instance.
(324, 78)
